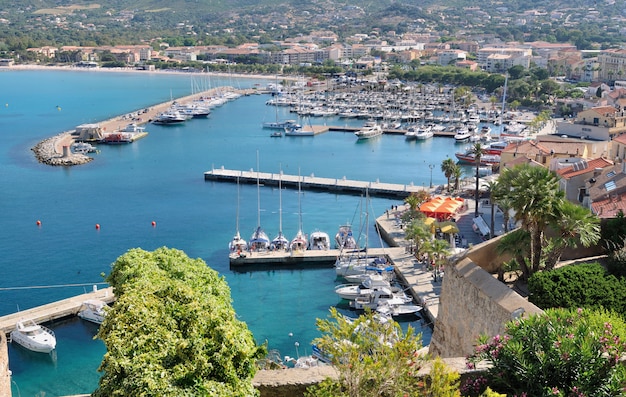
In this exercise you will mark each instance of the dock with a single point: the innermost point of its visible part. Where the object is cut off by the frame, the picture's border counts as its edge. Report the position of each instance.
(374, 189)
(308, 258)
(55, 310)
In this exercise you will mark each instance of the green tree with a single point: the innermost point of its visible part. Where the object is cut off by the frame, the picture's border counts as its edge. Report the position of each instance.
(535, 197)
(563, 352)
(173, 331)
(447, 167)
(372, 357)
(478, 150)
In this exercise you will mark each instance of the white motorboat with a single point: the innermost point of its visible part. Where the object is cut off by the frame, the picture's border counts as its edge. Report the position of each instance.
(398, 310)
(380, 296)
(132, 127)
(298, 131)
(93, 310)
(370, 129)
(462, 135)
(423, 133)
(410, 133)
(33, 337)
(319, 241)
(370, 283)
(170, 117)
(344, 239)
(352, 264)
(281, 125)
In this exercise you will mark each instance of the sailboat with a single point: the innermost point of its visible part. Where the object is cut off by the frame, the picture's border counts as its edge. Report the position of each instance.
(280, 242)
(358, 261)
(299, 242)
(237, 244)
(259, 240)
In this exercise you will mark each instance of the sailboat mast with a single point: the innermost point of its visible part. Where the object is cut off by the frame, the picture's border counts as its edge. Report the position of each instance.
(258, 191)
(237, 222)
(299, 201)
(506, 81)
(280, 202)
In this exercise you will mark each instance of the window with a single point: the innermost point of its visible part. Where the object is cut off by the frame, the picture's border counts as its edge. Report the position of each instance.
(610, 185)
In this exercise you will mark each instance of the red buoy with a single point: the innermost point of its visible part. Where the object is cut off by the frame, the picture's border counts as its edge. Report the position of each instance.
(153, 223)
(38, 223)
(97, 226)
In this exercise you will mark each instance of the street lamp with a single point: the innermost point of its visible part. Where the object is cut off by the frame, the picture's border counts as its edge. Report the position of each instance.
(431, 166)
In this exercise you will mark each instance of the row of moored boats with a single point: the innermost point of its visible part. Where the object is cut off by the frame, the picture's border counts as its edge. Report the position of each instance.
(38, 338)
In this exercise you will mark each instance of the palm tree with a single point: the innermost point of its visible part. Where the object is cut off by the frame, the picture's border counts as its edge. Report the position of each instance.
(447, 167)
(573, 224)
(477, 150)
(535, 198)
(457, 173)
(418, 233)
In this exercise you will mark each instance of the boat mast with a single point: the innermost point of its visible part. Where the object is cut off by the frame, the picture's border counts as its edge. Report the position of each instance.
(280, 202)
(258, 192)
(506, 80)
(299, 202)
(237, 222)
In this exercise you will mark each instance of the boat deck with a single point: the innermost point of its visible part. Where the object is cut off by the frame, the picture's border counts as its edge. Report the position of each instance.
(376, 188)
(55, 310)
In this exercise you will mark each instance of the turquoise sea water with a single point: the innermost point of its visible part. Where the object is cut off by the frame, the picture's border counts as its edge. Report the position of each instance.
(160, 179)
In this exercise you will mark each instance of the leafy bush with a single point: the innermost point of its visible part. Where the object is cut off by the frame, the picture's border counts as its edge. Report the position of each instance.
(586, 285)
(563, 352)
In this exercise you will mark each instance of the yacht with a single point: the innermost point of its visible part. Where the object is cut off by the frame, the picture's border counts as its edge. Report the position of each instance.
(170, 117)
(462, 135)
(344, 239)
(93, 310)
(370, 129)
(33, 337)
(298, 131)
(424, 132)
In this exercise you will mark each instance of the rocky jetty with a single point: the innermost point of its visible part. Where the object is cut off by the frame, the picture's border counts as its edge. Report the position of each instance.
(56, 151)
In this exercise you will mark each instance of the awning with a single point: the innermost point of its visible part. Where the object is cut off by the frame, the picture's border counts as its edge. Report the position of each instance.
(449, 227)
(429, 221)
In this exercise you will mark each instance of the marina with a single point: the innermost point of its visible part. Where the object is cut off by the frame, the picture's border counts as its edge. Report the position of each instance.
(376, 188)
(148, 197)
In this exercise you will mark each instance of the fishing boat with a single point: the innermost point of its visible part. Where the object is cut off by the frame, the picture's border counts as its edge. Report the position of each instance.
(33, 337)
(93, 310)
(371, 129)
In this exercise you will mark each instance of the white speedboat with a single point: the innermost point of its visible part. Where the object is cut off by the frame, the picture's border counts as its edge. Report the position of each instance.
(379, 296)
(370, 283)
(93, 310)
(370, 129)
(33, 337)
(82, 147)
(319, 241)
(423, 133)
(353, 263)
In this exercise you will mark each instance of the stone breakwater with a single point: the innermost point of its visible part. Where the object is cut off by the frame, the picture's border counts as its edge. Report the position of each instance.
(51, 151)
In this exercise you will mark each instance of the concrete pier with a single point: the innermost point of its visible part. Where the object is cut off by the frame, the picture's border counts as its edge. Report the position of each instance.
(377, 188)
(55, 310)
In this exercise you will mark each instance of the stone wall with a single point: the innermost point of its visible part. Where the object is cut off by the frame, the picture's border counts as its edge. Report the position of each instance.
(473, 303)
(5, 374)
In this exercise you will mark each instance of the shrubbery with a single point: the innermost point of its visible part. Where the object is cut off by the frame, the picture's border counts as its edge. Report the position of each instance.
(585, 285)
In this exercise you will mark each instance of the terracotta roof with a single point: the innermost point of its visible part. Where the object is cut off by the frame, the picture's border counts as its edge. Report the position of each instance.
(620, 139)
(583, 167)
(602, 110)
(610, 207)
(612, 181)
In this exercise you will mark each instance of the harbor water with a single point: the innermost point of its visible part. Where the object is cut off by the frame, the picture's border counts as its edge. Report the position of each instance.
(160, 179)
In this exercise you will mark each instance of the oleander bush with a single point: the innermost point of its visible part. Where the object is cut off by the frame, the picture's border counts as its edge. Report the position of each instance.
(562, 352)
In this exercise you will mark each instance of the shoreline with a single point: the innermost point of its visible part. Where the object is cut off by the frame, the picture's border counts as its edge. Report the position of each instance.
(22, 67)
